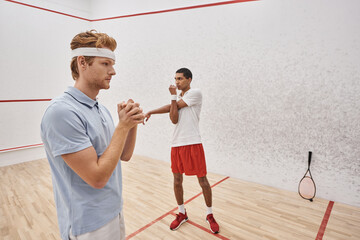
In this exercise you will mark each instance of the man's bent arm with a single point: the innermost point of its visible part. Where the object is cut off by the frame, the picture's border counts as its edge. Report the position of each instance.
(174, 113)
(97, 171)
(163, 109)
(174, 110)
(129, 145)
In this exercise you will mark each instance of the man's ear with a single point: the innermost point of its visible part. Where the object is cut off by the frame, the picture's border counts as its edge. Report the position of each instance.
(81, 62)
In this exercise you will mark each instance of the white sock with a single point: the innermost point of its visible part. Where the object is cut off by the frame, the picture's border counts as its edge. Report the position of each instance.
(209, 210)
(181, 208)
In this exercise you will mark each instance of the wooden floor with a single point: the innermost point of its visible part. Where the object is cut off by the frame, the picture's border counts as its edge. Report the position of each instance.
(244, 210)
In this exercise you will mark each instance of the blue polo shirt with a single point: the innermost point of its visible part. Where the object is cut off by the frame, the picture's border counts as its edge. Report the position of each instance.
(71, 123)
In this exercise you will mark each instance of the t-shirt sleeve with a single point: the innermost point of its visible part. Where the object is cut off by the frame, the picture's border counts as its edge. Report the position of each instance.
(193, 97)
(63, 130)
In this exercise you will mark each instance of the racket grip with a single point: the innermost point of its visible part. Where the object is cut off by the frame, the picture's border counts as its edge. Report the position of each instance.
(310, 153)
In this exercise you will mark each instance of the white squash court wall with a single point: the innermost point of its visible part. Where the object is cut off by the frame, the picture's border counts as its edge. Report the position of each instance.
(279, 78)
(34, 63)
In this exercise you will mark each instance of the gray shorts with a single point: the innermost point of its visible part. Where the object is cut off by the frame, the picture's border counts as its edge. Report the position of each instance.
(114, 230)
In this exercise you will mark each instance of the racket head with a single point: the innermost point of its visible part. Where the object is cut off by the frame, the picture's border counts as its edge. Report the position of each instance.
(307, 188)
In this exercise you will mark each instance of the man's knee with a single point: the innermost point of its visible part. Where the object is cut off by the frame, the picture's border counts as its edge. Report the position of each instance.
(204, 183)
(178, 179)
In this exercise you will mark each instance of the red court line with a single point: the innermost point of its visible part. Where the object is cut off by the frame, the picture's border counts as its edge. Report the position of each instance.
(201, 192)
(136, 14)
(166, 214)
(174, 9)
(48, 10)
(149, 224)
(324, 221)
(205, 229)
(25, 100)
(21, 147)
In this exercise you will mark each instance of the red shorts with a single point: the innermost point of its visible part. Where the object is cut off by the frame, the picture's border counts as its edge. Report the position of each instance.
(189, 159)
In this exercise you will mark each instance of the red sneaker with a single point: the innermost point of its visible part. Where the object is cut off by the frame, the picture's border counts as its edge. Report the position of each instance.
(180, 219)
(214, 227)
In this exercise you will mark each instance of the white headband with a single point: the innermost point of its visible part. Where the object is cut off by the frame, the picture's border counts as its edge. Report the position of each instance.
(93, 52)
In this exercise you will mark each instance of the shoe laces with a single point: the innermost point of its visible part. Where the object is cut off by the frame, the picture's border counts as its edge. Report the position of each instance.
(211, 219)
(178, 217)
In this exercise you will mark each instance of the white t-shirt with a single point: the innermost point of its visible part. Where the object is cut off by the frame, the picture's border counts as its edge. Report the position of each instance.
(187, 131)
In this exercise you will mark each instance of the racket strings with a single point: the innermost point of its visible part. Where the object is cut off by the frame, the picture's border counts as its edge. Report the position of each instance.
(307, 188)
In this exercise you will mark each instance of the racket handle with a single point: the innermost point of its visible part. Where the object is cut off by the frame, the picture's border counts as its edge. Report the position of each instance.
(310, 153)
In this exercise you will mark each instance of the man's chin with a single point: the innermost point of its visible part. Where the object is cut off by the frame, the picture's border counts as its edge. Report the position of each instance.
(105, 88)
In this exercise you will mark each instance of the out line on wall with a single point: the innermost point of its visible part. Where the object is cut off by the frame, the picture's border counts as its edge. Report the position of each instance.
(174, 9)
(25, 100)
(48, 10)
(136, 14)
(21, 147)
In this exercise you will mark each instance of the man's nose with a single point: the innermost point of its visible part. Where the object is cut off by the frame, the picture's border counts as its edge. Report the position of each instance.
(112, 71)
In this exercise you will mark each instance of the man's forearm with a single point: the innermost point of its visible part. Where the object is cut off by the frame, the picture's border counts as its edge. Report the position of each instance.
(109, 159)
(129, 146)
(174, 114)
(163, 109)
(95, 170)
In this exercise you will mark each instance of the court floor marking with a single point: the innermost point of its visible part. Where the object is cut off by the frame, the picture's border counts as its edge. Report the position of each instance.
(204, 229)
(170, 212)
(325, 221)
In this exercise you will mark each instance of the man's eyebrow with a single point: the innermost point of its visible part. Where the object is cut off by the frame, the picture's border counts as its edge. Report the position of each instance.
(109, 61)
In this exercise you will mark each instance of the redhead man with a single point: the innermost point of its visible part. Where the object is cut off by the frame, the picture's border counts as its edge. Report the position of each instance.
(83, 146)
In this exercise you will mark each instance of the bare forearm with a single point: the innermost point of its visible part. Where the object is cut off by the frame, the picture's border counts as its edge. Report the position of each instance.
(129, 145)
(174, 114)
(163, 109)
(109, 159)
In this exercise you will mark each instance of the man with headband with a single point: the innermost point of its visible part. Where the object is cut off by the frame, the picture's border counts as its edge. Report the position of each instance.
(84, 147)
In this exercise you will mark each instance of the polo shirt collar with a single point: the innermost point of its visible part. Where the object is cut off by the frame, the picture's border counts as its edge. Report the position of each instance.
(81, 97)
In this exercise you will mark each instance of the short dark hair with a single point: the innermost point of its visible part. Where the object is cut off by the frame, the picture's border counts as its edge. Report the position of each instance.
(186, 72)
